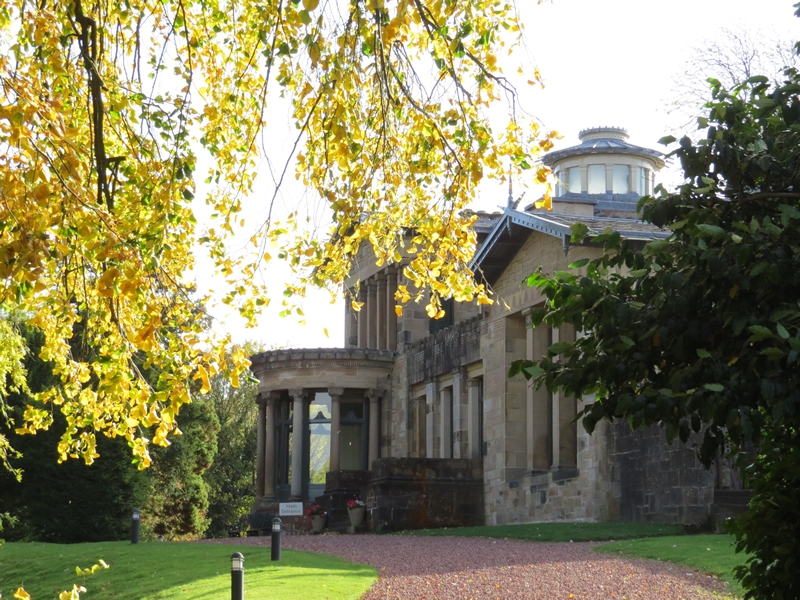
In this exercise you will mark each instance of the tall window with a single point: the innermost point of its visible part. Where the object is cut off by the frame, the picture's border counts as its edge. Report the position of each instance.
(597, 179)
(621, 179)
(643, 181)
(574, 180)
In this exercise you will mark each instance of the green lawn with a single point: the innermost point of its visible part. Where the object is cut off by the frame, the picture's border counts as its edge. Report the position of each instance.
(707, 553)
(177, 571)
(560, 532)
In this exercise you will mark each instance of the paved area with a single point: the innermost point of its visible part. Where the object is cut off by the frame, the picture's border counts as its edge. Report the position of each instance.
(444, 568)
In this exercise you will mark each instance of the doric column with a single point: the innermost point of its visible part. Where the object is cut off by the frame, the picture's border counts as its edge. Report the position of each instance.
(335, 394)
(391, 316)
(261, 445)
(362, 316)
(473, 418)
(298, 441)
(272, 398)
(374, 426)
(350, 322)
(446, 423)
(380, 307)
(430, 399)
(372, 314)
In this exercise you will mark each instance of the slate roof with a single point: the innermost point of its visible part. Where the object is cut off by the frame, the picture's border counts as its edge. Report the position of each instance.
(603, 140)
(514, 227)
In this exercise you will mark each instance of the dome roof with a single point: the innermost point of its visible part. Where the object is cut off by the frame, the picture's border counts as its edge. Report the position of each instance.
(604, 140)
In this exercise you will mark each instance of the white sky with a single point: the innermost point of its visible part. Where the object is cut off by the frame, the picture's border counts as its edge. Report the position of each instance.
(604, 62)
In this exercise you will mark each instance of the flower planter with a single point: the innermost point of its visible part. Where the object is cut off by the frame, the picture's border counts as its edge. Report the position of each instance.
(357, 515)
(317, 523)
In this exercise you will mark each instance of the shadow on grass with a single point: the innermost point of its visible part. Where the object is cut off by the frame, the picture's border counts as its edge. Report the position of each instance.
(149, 570)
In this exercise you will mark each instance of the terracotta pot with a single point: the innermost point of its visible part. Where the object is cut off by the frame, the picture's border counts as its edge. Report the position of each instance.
(357, 515)
(317, 523)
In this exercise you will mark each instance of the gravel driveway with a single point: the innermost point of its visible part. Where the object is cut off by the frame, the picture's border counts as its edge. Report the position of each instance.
(444, 568)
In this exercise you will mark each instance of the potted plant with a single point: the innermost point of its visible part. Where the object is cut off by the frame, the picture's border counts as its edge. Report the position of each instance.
(317, 518)
(356, 510)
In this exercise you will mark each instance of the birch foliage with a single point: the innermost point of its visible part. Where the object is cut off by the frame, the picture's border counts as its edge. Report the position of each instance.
(104, 107)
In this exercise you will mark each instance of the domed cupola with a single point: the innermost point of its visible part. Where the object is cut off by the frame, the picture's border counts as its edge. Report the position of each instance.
(604, 175)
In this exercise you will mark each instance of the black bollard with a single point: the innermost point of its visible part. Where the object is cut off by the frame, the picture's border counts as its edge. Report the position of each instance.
(237, 576)
(135, 527)
(275, 542)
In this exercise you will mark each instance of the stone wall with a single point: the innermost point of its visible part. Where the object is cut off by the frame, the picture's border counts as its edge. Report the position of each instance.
(422, 493)
(659, 482)
(585, 493)
(444, 351)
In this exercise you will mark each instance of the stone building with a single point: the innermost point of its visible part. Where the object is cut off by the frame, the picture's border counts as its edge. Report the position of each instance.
(419, 417)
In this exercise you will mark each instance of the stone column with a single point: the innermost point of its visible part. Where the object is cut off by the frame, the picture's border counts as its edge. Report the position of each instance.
(372, 314)
(430, 398)
(362, 316)
(391, 316)
(269, 451)
(350, 321)
(446, 423)
(459, 446)
(538, 340)
(261, 445)
(298, 441)
(335, 394)
(374, 426)
(473, 418)
(380, 307)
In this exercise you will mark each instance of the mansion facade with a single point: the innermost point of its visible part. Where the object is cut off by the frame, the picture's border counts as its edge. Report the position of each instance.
(419, 418)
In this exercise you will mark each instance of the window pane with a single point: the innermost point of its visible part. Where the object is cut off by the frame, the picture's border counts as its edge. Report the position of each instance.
(574, 183)
(559, 184)
(621, 181)
(643, 178)
(597, 179)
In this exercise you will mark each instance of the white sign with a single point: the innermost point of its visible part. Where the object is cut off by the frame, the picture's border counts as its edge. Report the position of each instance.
(290, 509)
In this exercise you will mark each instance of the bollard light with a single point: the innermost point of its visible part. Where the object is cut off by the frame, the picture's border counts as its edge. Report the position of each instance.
(275, 542)
(237, 576)
(135, 526)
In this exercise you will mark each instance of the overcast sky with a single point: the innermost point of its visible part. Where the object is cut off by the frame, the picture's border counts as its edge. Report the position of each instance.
(604, 62)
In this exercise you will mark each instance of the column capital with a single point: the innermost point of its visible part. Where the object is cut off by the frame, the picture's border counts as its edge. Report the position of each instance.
(295, 392)
(460, 372)
(373, 394)
(335, 391)
(261, 400)
(473, 382)
(273, 396)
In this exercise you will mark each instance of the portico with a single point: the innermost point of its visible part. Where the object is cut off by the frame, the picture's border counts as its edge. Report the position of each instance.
(319, 411)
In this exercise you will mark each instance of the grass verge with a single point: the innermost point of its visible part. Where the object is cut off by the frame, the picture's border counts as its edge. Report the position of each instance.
(177, 571)
(559, 532)
(713, 554)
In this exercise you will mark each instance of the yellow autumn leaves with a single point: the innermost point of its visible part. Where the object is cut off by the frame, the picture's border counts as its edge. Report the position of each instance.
(76, 591)
(390, 104)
